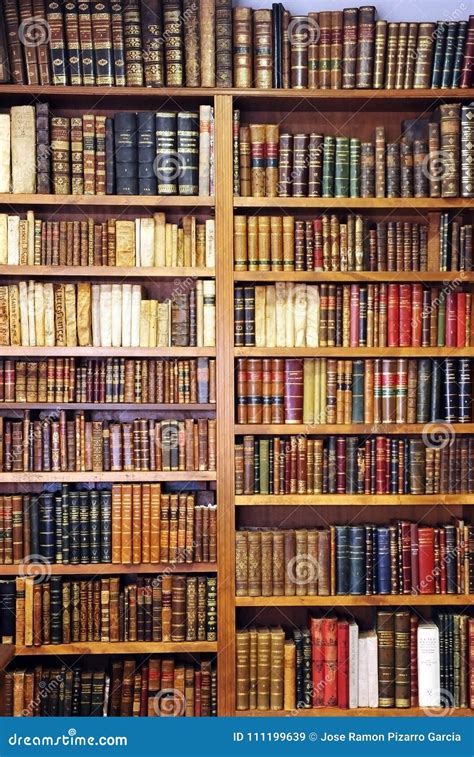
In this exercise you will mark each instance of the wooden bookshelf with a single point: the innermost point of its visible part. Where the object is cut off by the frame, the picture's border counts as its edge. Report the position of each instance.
(178, 352)
(110, 476)
(105, 569)
(364, 712)
(120, 647)
(353, 428)
(365, 500)
(355, 352)
(108, 201)
(359, 203)
(353, 277)
(106, 272)
(349, 600)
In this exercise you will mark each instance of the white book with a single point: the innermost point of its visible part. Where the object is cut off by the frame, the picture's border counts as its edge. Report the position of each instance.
(5, 152)
(280, 313)
(290, 314)
(363, 687)
(96, 315)
(30, 220)
(116, 315)
(49, 332)
(372, 669)
(31, 314)
(204, 149)
(135, 316)
(209, 312)
(138, 260)
(270, 322)
(160, 238)
(429, 680)
(3, 239)
(126, 315)
(23, 295)
(23, 139)
(260, 318)
(105, 315)
(13, 240)
(210, 243)
(353, 665)
(312, 316)
(300, 309)
(199, 314)
(39, 314)
(147, 242)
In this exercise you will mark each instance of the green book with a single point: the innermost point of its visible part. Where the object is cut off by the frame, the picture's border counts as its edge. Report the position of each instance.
(329, 146)
(264, 465)
(354, 167)
(341, 169)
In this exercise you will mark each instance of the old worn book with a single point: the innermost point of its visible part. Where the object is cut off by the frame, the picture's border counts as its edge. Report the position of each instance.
(5, 173)
(23, 149)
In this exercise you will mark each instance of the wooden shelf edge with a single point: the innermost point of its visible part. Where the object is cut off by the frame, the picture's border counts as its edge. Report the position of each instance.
(355, 352)
(106, 406)
(106, 647)
(355, 276)
(98, 271)
(343, 428)
(374, 500)
(363, 600)
(156, 352)
(114, 201)
(367, 203)
(358, 712)
(108, 568)
(105, 476)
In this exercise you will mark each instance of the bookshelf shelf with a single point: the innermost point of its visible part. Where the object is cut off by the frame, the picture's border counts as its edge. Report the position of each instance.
(338, 277)
(119, 647)
(106, 272)
(368, 712)
(138, 407)
(362, 203)
(352, 428)
(105, 476)
(108, 569)
(355, 352)
(109, 351)
(110, 201)
(358, 601)
(366, 500)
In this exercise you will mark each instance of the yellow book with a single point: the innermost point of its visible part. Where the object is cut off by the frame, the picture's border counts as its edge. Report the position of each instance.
(71, 320)
(160, 239)
(125, 243)
(163, 324)
(144, 323)
(23, 295)
(312, 316)
(153, 305)
(270, 317)
(13, 240)
(105, 315)
(59, 315)
(147, 242)
(308, 390)
(48, 292)
(3, 238)
(30, 219)
(260, 316)
(39, 313)
(14, 311)
(300, 313)
(31, 315)
(116, 315)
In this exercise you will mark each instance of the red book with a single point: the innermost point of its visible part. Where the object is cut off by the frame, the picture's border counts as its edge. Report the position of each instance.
(442, 561)
(393, 316)
(293, 390)
(415, 573)
(354, 316)
(343, 664)
(461, 319)
(144, 692)
(381, 465)
(416, 315)
(451, 320)
(329, 640)
(405, 533)
(197, 694)
(315, 627)
(318, 244)
(405, 315)
(471, 662)
(426, 560)
(341, 465)
(467, 67)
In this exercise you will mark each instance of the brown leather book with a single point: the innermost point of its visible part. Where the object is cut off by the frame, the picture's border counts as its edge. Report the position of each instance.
(30, 50)
(242, 47)
(133, 45)
(15, 47)
(174, 44)
(207, 20)
(263, 51)
(450, 126)
(152, 30)
(422, 68)
(299, 52)
(386, 657)
(242, 673)
(60, 152)
(336, 49)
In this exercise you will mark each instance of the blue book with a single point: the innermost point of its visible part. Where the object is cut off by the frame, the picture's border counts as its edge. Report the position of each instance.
(358, 371)
(342, 559)
(356, 560)
(382, 556)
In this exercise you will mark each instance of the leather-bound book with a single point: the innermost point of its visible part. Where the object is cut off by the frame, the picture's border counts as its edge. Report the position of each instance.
(438, 53)
(425, 45)
(257, 146)
(449, 53)
(391, 55)
(263, 53)
(102, 42)
(450, 123)
(77, 159)
(13, 64)
(467, 66)
(467, 150)
(126, 153)
(174, 43)
(30, 50)
(285, 166)
(152, 31)
(207, 21)
(293, 391)
(365, 47)
(146, 153)
(386, 657)
(341, 167)
(271, 160)
(300, 165)
(402, 658)
(277, 17)
(299, 52)
(100, 157)
(60, 155)
(324, 49)
(336, 49)
(277, 645)
(242, 47)
(43, 171)
(71, 29)
(315, 152)
(118, 44)
(86, 42)
(188, 150)
(88, 154)
(133, 47)
(166, 143)
(350, 18)
(242, 673)
(23, 149)
(402, 55)
(57, 42)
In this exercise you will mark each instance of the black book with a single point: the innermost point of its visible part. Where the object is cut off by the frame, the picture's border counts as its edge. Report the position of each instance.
(102, 42)
(332, 465)
(58, 528)
(342, 560)
(423, 391)
(249, 316)
(86, 37)
(68, 684)
(167, 163)
(307, 669)
(86, 693)
(74, 57)
(299, 667)
(356, 546)
(76, 692)
(435, 394)
(109, 157)
(7, 611)
(74, 529)
(146, 154)
(188, 153)
(277, 12)
(56, 583)
(97, 699)
(57, 43)
(65, 524)
(105, 526)
(84, 518)
(351, 464)
(94, 526)
(464, 384)
(5, 75)
(450, 393)
(46, 536)
(126, 153)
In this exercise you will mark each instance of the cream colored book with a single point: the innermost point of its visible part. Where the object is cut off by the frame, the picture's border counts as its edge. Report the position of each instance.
(323, 381)
(163, 316)
(300, 304)
(147, 242)
(138, 256)
(23, 140)
(23, 242)
(270, 317)
(71, 314)
(23, 296)
(189, 240)
(39, 314)
(199, 314)
(59, 315)
(209, 312)
(200, 244)
(14, 310)
(125, 243)
(48, 291)
(180, 252)
(312, 316)
(308, 396)
(153, 323)
(84, 313)
(160, 239)
(13, 240)
(116, 315)
(204, 149)
(30, 219)
(5, 153)
(135, 319)
(4, 317)
(144, 323)
(168, 244)
(290, 314)
(126, 315)
(260, 316)
(210, 243)
(96, 315)
(316, 391)
(106, 315)
(3, 239)
(280, 313)
(31, 314)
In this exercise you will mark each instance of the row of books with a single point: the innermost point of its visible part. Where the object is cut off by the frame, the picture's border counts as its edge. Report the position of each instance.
(349, 243)
(288, 314)
(430, 159)
(164, 153)
(36, 313)
(62, 442)
(325, 390)
(107, 380)
(331, 662)
(437, 463)
(166, 608)
(126, 524)
(123, 42)
(400, 558)
(179, 44)
(142, 242)
(159, 686)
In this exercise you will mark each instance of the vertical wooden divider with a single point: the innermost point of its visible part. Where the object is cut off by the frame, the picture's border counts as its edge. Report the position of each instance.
(225, 403)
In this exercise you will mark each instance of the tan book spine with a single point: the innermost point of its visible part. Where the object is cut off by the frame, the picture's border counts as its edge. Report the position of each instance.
(70, 312)
(23, 149)
(84, 313)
